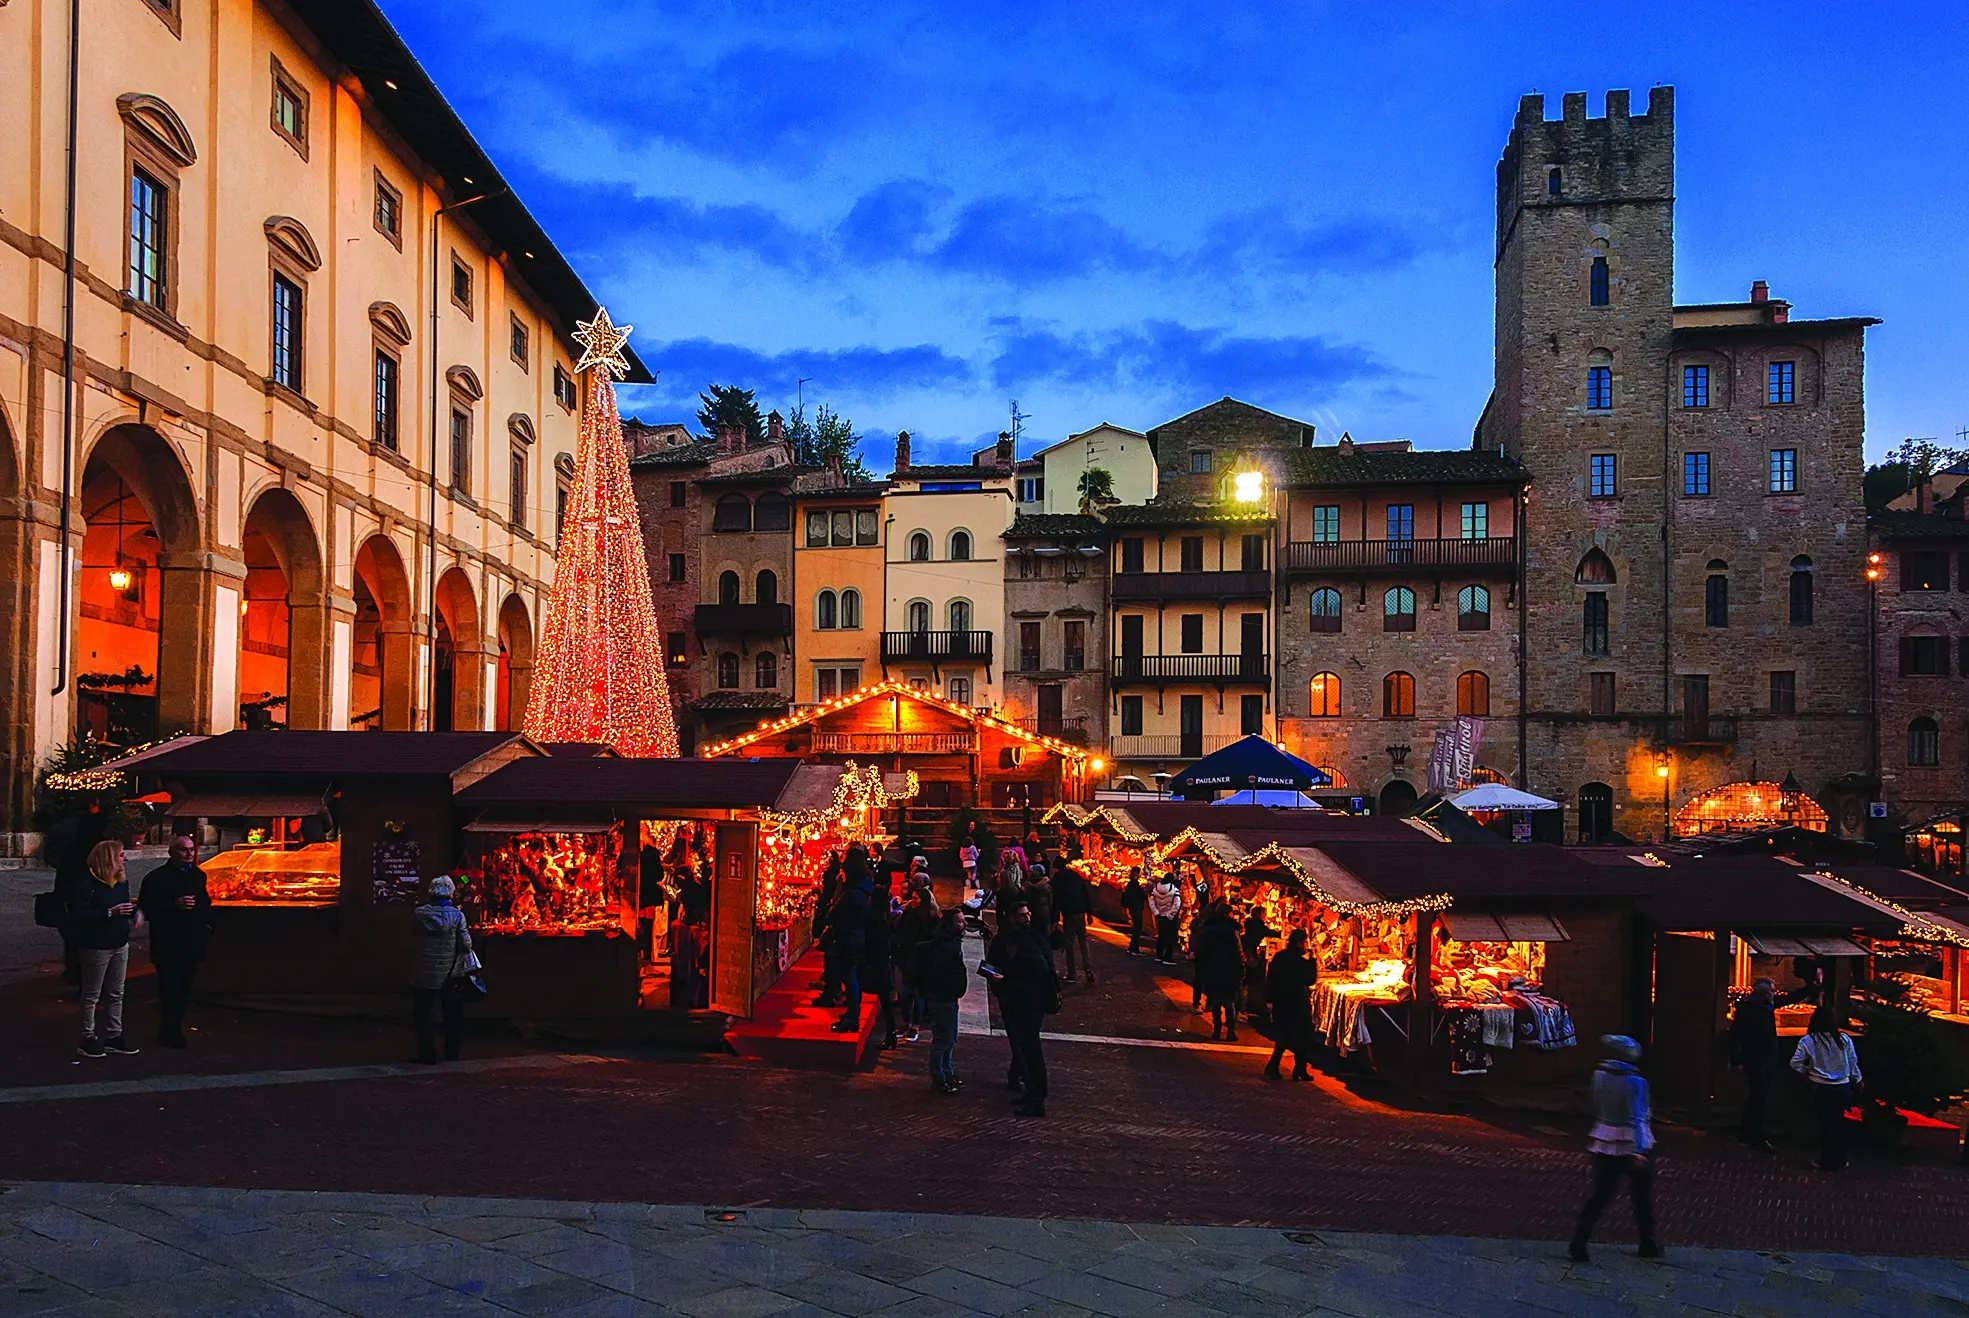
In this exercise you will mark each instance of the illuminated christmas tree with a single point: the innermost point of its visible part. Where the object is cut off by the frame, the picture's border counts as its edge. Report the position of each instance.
(599, 675)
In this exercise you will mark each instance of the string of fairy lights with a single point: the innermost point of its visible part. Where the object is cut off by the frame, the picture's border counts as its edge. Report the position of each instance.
(1273, 856)
(599, 670)
(891, 687)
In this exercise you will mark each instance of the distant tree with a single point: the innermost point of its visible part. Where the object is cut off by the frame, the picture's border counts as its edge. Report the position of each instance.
(729, 405)
(1906, 464)
(1096, 487)
(827, 437)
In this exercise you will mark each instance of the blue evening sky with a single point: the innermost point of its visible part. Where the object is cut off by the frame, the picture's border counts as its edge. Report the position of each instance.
(1120, 212)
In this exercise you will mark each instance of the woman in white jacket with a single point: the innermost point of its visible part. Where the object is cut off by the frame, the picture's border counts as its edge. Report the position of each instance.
(1166, 904)
(1827, 1058)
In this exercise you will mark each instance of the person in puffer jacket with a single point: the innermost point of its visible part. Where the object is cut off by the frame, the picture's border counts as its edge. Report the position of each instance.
(443, 943)
(1622, 1142)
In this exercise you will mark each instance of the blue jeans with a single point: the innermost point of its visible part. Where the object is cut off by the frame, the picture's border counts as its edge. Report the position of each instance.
(854, 949)
(943, 1041)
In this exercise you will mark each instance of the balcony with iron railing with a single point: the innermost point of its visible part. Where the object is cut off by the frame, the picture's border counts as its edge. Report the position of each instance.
(1066, 729)
(1327, 556)
(936, 647)
(1190, 668)
(895, 743)
(1169, 745)
(1701, 729)
(743, 619)
(1157, 587)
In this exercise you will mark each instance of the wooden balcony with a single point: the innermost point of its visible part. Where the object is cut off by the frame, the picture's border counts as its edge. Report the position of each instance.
(895, 743)
(1165, 668)
(936, 647)
(1161, 587)
(1066, 729)
(1169, 745)
(1706, 730)
(1327, 557)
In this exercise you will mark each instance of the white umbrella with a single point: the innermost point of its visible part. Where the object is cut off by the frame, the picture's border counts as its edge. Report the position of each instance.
(1270, 796)
(1496, 796)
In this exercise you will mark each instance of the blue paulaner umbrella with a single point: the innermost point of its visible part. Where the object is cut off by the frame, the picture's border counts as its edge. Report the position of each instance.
(1248, 762)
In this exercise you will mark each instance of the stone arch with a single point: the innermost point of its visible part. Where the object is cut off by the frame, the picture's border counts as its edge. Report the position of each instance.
(138, 513)
(515, 664)
(19, 583)
(283, 631)
(1595, 569)
(389, 321)
(465, 381)
(1397, 797)
(292, 237)
(457, 656)
(382, 678)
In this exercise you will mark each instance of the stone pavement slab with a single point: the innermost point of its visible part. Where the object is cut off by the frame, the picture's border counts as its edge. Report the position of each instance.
(68, 1250)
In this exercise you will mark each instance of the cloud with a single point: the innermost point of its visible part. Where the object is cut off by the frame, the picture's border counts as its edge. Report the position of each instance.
(690, 365)
(1163, 356)
(1266, 241)
(1023, 241)
(889, 221)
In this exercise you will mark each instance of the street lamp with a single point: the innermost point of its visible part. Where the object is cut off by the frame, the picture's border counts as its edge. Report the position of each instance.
(1661, 772)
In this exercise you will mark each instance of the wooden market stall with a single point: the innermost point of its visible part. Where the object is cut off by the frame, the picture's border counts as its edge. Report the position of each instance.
(325, 841)
(961, 756)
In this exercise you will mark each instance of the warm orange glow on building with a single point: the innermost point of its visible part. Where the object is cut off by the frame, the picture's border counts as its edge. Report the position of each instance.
(1749, 806)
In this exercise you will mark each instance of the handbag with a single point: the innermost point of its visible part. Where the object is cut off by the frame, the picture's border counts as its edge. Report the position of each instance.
(467, 974)
(50, 912)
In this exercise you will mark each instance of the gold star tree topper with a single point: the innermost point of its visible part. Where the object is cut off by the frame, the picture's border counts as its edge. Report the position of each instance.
(603, 340)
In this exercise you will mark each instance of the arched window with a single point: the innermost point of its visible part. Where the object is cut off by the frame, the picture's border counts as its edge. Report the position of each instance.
(960, 615)
(1801, 591)
(960, 546)
(765, 587)
(733, 513)
(1595, 569)
(772, 512)
(765, 670)
(1473, 695)
(1599, 388)
(1398, 610)
(1398, 696)
(1325, 693)
(919, 547)
(728, 671)
(824, 616)
(919, 616)
(1924, 742)
(851, 609)
(728, 588)
(1552, 180)
(1326, 609)
(1716, 595)
(1597, 290)
(1473, 609)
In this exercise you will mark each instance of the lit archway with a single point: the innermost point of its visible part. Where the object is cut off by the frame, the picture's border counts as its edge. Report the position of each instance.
(138, 637)
(458, 657)
(282, 618)
(1748, 806)
(515, 665)
(382, 689)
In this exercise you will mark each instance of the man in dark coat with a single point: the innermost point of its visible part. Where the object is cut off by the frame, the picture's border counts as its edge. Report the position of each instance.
(66, 850)
(1024, 984)
(942, 981)
(1219, 968)
(1754, 1047)
(1289, 988)
(1074, 902)
(1135, 901)
(848, 923)
(178, 909)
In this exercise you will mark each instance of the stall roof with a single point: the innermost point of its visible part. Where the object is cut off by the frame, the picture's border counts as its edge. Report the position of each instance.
(1721, 897)
(624, 786)
(1168, 818)
(332, 754)
(1904, 886)
(247, 805)
(1526, 871)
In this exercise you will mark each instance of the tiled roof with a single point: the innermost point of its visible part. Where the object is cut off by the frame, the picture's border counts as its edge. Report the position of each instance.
(1054, 524)
(1182, 514)
(693, 454)
(1327, 465)
(1779, 329)
(782, 474)
(717, 700)
(1917, 526)
(954, 471)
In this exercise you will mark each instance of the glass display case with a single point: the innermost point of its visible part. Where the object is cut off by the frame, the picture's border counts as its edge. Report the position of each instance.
(276, 874)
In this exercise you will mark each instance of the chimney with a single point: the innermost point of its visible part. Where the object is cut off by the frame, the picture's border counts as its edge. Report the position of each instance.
(1003, 458)
(834, 476)
(1924, 494)
(775, 427)
(1346, 446)
(902, 451)
(724, 437)
(1760, 291)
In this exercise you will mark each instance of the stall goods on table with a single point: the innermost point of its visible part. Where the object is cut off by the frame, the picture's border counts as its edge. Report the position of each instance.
(1491, 997)
(1340, 1004)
